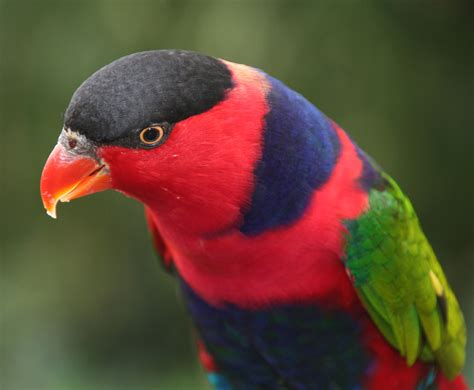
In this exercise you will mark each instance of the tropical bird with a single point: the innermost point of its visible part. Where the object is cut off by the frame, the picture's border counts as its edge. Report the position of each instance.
(302, 263)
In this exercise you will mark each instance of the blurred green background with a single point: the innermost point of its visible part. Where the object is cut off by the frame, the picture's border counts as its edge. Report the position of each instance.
(84, 303)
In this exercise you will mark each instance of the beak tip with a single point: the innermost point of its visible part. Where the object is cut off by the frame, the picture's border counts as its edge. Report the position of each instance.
(69, 176)
(51, 212)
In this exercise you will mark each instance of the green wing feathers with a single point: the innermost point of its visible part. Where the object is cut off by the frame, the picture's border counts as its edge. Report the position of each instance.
(401, 283)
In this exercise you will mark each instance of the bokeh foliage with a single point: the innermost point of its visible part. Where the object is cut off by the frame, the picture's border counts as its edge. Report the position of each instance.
(84, 303)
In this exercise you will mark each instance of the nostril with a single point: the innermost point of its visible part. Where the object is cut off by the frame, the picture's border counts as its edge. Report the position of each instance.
(72, 143)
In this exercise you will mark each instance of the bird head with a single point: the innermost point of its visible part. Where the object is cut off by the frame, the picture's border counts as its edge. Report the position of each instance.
(165, 127)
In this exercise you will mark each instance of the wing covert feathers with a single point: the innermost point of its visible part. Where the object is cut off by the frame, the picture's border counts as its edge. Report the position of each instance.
(401, 283)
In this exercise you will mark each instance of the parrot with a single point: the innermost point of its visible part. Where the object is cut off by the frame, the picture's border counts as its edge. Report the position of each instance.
(300, 261)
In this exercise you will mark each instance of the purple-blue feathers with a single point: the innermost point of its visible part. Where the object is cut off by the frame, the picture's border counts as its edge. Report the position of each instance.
(300, 149)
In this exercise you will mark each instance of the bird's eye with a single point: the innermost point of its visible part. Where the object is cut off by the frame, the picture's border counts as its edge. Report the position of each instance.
(152, 135)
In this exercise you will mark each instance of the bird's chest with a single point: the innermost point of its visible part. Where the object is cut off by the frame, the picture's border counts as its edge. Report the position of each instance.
(250, 271)
(293, 345)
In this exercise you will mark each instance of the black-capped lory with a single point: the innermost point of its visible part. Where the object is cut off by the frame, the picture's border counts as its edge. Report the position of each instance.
(302, 263)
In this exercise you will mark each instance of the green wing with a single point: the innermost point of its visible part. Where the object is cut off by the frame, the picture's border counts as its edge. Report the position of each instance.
(401, 283)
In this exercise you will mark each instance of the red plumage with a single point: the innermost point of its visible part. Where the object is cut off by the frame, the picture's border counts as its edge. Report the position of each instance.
(197, 231)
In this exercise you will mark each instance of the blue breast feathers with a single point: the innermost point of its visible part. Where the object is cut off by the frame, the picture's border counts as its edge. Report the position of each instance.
(286, 346)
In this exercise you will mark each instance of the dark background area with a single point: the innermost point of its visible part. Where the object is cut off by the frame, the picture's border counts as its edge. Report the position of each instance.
(84, 303)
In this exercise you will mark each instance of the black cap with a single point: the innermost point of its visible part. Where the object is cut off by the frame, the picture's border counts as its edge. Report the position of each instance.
(145, 88)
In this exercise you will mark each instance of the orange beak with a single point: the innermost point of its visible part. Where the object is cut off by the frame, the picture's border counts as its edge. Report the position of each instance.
(68, 176)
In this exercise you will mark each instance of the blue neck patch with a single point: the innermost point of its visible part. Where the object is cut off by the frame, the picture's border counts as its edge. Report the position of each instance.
(300, 149)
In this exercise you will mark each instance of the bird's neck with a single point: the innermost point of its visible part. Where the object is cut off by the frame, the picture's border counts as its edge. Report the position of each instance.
(271, 158)
(224, 264)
